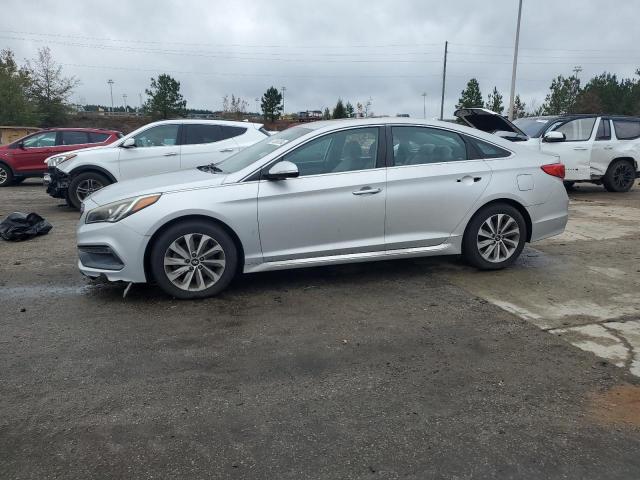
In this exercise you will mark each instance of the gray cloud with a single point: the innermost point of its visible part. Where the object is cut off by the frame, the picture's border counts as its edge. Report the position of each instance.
(389, 51)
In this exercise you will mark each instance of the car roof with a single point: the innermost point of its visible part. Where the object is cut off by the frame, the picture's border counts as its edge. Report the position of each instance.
(78, 129)
(186, 121)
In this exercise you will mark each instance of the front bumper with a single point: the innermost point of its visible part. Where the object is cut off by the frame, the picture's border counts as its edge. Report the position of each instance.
(57, 182)
(110, 250)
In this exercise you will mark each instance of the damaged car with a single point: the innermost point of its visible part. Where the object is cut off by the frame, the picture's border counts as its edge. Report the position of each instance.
(601, 149)
(325, 193)
(158, 147)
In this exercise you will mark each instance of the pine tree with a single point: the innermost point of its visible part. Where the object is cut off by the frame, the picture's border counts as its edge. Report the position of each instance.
(271, 104)
(471, 96)
(339, 110)
(519, 108)
(326, 115)
(349, 110)
(494, 101)
(165, 100)
(563, 95)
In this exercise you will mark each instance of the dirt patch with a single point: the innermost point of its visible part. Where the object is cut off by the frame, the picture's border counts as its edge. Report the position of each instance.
(618, 405)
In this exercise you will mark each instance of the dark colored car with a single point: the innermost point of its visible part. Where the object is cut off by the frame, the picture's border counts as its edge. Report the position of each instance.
(25, 157)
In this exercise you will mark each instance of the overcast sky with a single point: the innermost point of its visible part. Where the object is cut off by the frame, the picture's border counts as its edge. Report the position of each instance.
(389, 51)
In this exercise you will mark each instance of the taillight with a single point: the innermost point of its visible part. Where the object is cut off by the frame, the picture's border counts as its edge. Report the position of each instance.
(554, 169)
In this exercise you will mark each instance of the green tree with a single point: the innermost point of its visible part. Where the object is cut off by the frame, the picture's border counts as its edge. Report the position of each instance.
(605, 93)
(471, 95)
(326, 115)
(165, 100)
(494, 101)
(349, 110)
(339, 111)
(17, 108)
(271, 104)
(519, 108)
(49, 89)
(562, 96)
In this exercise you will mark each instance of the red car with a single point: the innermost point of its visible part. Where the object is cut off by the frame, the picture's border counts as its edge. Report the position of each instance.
(25, 157)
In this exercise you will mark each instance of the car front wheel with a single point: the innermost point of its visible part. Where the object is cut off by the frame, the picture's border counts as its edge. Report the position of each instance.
(494, 237)
(193, 259)
(83, 185)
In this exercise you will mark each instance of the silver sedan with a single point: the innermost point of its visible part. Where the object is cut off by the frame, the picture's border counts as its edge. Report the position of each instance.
(325, 193)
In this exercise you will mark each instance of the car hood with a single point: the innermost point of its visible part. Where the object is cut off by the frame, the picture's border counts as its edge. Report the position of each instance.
(99, 150)
(490, 122)
(165, 182)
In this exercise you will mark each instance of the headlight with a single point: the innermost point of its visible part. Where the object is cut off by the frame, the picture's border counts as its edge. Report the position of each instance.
(58, 159)
(116, 211)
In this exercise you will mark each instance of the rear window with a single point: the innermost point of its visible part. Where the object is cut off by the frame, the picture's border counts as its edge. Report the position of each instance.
(74, 138)
(230, 132)
(98, 137)
(627, 129)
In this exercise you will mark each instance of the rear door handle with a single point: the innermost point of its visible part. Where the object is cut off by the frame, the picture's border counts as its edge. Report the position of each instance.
(171, 154)
(581, 149)
(225, 150)
(475, 179)
(367, 191)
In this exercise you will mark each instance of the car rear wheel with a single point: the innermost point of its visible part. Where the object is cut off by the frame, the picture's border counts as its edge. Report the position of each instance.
(84, 185)
(193, 259)
(620, 176)
(6, 176)
(494, 237)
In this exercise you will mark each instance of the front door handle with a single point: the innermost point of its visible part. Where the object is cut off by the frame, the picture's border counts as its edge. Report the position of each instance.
(609, 147)
(475, 179)
(171, 154)
(225, 150)
(580, 149)
(367, 191)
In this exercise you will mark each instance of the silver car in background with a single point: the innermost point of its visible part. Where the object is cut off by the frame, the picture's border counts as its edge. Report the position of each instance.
(325, 193)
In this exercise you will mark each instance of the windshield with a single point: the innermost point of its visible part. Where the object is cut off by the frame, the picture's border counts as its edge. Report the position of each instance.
(533, 126)
(255, 152)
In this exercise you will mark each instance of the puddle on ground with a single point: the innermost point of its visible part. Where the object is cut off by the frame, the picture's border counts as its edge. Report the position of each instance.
(34, 291)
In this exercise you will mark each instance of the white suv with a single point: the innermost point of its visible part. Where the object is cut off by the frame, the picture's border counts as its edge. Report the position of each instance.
(156, 148)
(602, 149)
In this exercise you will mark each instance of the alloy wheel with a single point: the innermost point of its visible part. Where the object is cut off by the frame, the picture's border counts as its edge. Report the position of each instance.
(87, 187)
(194, 262)
(623, 175)
(4, 176)
(498, 238)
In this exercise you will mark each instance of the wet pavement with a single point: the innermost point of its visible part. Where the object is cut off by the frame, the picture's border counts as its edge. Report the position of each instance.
(405, 369)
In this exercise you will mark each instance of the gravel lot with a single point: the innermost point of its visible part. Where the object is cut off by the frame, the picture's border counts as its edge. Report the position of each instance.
(406, 369)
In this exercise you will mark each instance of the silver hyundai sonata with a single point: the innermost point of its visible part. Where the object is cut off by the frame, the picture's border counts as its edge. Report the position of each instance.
(324, 193)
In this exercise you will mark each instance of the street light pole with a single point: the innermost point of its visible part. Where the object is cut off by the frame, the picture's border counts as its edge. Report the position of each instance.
(515, 63)
(424, 105)
(124, 97)
(111, 82)
(444, 79)
(284, 89)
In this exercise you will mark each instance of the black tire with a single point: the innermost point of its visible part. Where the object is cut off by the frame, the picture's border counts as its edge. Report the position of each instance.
(620, 176)
(569, 185)
(18, 180)
(470, 242)
(78, 185)
(6, 176)
(176, 232)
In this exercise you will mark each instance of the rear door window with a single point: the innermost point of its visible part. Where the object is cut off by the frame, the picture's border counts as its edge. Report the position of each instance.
(488, 150)
(231, 132)
(98, 137)
(422, 145)
(195, 134)
(627, 129)
(71, 137)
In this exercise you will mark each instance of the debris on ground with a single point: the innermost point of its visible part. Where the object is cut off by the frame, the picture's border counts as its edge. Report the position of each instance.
(21, 226)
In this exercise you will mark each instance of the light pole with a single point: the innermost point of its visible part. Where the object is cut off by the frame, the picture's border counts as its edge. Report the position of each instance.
(284, 89)
(424, 105)
(515, 63)
(124, 97)
(111, 82)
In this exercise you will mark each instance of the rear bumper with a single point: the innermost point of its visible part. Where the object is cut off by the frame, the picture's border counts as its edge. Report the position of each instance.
(57, 183)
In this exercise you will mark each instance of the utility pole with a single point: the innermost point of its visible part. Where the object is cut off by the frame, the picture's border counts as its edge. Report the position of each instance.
(515, 63)
(576, 70)
(444, 79)
(284, 89)
(140, 98)
(424, 104)
(111, 82)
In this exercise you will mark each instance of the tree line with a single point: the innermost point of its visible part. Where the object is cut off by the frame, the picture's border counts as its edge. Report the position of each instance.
(602, 94)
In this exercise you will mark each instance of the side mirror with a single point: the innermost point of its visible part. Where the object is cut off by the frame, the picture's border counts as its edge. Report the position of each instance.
(282, 170)
(129, 143)
(554, 137)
